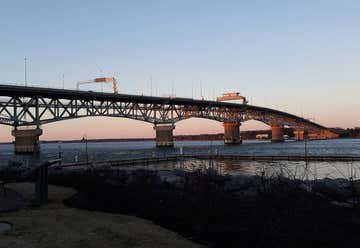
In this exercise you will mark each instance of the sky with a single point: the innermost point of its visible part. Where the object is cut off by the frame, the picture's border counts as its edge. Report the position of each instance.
(301, 57)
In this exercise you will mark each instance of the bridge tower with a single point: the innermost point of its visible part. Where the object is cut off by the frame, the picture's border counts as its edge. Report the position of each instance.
(27, 140)
(232, 133)
(277, 133)
(164, 135)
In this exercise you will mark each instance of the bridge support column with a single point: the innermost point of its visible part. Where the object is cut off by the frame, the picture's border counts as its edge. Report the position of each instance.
(300, 134)
(164, 135)
(232, 133)
(277, 133)
(27, 140)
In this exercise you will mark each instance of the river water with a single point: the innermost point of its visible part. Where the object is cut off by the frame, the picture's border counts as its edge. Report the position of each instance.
(97, 151)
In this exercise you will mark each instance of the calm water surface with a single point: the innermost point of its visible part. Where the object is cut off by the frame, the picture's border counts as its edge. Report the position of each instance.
(121, 150)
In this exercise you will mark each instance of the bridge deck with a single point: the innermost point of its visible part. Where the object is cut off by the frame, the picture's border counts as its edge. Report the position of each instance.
(21, 91)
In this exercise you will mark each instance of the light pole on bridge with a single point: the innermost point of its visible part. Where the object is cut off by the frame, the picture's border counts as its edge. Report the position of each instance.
(25, 71)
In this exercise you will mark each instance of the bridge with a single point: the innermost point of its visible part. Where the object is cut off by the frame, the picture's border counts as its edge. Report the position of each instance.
(33, 107)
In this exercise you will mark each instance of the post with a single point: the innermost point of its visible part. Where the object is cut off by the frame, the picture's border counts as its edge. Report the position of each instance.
(41, 185)
(60, 151)
(277, 133)
(41, 182)
(181, 151)
(86, 149)
(27, 140)
(164, 135)
(232, 133)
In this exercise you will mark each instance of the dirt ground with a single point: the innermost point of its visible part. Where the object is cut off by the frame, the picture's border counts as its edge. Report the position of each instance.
(55, 225)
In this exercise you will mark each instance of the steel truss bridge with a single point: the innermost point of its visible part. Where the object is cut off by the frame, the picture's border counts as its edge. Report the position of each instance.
(34, 106)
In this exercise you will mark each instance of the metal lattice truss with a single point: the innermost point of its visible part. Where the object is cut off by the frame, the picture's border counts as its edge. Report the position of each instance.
(38, 110)
(277, 118)
(33, 106)
(29, 111)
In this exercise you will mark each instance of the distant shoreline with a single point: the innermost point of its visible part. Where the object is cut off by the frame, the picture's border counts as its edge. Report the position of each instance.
(89, 140)
(246, 135)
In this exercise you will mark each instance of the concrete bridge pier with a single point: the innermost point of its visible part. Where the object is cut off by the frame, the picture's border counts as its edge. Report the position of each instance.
(277, 133)
(232, 133)
(300, 134)
(164, 135)
(27, 140)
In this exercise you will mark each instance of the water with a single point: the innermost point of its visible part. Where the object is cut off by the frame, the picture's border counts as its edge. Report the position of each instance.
(98, 151)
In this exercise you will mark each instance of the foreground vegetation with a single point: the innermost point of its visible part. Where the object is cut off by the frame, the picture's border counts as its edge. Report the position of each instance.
(224, 211)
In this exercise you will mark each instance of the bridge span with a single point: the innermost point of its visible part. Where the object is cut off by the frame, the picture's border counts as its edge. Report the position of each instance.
(33, 107)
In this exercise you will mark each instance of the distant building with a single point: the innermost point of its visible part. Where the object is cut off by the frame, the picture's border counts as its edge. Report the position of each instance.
(262, 136)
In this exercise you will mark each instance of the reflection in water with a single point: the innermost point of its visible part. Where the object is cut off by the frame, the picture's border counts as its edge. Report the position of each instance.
(290, 169)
